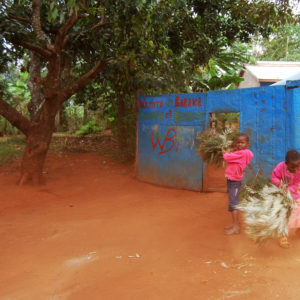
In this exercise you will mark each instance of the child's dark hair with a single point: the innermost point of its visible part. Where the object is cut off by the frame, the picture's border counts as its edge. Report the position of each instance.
(292, 155)
(241, 134)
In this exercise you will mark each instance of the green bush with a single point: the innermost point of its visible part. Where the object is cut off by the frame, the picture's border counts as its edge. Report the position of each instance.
(6, 128)
(73, 117)
(90, 128)
(16, 140)
(11, 148)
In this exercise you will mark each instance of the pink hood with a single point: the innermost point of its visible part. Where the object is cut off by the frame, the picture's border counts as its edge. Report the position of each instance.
(236, 162)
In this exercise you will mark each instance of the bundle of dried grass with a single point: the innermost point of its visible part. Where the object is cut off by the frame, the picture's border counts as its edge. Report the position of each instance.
(212, 144)
(267, 210)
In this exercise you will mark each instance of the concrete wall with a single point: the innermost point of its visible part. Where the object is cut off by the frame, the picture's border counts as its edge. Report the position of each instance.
(249, 81)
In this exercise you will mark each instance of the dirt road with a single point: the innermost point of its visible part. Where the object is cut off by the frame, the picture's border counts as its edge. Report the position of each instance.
(95, 232)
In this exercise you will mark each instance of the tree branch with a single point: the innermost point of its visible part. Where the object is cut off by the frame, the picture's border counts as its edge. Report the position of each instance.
(67, 71)
(64, 30)
(36, 19)
(45, 53)
(84, 80)
(20, 19)
(101, 23)
(14, 117)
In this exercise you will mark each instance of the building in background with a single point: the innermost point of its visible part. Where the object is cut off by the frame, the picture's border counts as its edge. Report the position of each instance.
(265, 73)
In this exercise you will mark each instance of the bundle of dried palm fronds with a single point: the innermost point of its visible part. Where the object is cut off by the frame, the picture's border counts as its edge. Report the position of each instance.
(212, 144)
(267, 210)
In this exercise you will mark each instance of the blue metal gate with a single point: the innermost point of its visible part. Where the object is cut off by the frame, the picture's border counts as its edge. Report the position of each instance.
(168, 126)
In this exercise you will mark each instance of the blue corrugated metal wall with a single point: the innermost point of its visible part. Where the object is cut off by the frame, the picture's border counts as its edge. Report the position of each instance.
(168, 125)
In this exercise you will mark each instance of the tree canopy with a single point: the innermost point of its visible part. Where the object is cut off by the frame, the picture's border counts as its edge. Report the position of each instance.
(283, 44)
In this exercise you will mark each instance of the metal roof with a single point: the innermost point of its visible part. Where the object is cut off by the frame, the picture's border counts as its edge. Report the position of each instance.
(273, 71)
(283, 82)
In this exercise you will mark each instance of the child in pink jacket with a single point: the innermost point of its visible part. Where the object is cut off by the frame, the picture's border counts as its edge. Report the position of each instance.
(288, 173)
(236, 162)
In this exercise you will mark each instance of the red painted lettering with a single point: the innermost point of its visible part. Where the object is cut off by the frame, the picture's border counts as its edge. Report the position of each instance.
(199, 103)
(169, 114)
(151, 104)
(177, 101)
(157, 142)
(143, 104)
(167, 138)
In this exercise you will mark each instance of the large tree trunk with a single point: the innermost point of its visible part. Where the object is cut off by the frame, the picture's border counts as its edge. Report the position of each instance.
(34, 156)
(37, 145)
(37, 96)
(58, 121)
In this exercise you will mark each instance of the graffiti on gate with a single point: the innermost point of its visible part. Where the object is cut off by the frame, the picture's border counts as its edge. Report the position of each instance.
(177, 102)
(170, 137)
(178, 109)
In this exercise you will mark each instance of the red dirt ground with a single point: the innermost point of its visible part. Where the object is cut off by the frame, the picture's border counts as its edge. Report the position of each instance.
(93, 231)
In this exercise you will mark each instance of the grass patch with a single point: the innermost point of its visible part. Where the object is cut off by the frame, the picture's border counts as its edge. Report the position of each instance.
(11, 148)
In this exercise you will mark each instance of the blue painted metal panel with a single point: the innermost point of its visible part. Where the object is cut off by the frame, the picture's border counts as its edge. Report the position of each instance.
(296, 120)
(168, 125)
(267, 131)
(292, 83)
(279, 133)
(294, 117)
(167, 156)
(167, 153)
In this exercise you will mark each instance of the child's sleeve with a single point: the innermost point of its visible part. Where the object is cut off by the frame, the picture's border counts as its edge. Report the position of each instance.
(233, 157)
(294, 188)
(276, 176)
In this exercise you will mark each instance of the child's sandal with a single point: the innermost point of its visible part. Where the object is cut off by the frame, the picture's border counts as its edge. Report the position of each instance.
(284, 243)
